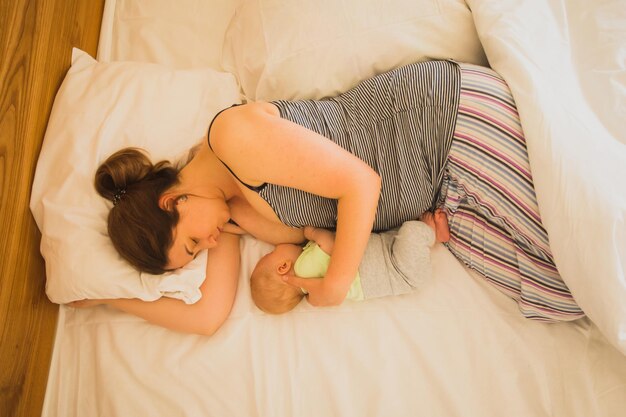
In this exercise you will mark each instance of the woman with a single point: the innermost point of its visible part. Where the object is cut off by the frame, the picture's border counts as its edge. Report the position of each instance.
(425, 135)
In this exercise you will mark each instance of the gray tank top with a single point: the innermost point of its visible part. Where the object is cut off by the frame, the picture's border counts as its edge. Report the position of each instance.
(400, 123)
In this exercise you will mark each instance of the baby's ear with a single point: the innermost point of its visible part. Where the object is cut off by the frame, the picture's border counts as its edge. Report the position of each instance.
(284, 267)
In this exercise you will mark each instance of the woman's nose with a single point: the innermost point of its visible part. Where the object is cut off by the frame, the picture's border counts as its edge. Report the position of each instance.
(208, 243)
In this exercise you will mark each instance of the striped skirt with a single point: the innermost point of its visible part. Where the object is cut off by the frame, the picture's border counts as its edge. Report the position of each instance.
(489, 198)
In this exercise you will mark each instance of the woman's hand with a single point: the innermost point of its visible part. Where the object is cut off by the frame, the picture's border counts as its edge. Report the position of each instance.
(322, 292)
(87, 303)
(233, 229)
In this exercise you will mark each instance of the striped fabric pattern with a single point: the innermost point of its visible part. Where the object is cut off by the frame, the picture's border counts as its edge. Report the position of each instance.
(489, 197)
(400, 123)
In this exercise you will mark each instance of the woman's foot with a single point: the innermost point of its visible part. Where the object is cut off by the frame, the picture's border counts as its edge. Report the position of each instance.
(442, 230)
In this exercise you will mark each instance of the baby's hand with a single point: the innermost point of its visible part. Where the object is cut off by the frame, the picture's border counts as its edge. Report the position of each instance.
(309, 232)
(324, 238)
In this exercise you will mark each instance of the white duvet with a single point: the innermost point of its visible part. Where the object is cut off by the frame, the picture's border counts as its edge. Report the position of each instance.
(458, 347)
(565, 62)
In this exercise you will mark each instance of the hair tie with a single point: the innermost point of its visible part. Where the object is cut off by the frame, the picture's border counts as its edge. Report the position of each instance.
(118, 195)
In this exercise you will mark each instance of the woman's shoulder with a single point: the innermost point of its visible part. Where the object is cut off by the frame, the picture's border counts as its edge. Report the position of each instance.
(238, 113)
(237, 121)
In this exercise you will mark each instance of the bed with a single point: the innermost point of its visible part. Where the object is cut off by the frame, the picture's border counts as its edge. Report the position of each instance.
(458, 347)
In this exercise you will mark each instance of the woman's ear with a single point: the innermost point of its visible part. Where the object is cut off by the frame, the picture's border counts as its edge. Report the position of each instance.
(167, 201)
(284, 267)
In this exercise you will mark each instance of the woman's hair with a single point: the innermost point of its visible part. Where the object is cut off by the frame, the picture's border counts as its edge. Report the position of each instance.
(140, 230)
(269, 292)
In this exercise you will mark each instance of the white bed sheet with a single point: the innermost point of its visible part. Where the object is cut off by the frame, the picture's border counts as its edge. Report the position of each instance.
(457, 348)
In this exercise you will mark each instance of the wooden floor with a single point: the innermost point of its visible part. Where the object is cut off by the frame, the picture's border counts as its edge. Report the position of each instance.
(36, 39)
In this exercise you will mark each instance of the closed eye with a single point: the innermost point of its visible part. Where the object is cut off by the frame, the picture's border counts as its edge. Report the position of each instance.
(189, 251)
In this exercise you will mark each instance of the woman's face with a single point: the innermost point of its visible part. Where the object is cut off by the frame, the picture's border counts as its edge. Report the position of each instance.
(201, 220)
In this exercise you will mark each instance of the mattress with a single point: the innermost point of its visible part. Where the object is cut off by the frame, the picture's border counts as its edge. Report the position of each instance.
(458, 347)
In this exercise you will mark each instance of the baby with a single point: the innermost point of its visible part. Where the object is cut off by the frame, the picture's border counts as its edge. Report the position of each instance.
(395, 262)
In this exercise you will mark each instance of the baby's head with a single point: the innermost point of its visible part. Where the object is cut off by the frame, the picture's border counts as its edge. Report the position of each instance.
(269, 292)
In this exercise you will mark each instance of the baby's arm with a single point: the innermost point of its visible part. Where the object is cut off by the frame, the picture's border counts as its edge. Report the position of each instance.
(325, 239)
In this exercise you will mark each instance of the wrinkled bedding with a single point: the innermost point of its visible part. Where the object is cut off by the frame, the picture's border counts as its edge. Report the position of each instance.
(458, 347)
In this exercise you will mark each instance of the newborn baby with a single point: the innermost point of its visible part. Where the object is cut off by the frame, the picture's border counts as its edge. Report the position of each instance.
(395, 262)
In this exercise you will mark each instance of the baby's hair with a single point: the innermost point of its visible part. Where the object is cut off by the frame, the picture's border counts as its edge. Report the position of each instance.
(140, 230)
(269, 292)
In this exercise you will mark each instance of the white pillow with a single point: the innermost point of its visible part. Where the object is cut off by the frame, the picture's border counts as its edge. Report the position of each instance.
(180, 34)
(318, 48)
(99, 109)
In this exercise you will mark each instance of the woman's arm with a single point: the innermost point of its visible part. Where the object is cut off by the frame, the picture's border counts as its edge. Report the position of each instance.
(208, 313)
(260, 227)
(262, 147)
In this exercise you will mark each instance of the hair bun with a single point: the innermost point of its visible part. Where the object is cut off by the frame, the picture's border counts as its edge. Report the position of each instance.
(120, 171)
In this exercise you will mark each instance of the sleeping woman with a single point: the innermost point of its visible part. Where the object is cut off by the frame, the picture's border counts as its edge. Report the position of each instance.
(428, 135)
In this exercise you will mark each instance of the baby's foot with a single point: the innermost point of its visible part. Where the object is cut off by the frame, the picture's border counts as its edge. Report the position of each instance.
(428, 218)
(442, 231)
